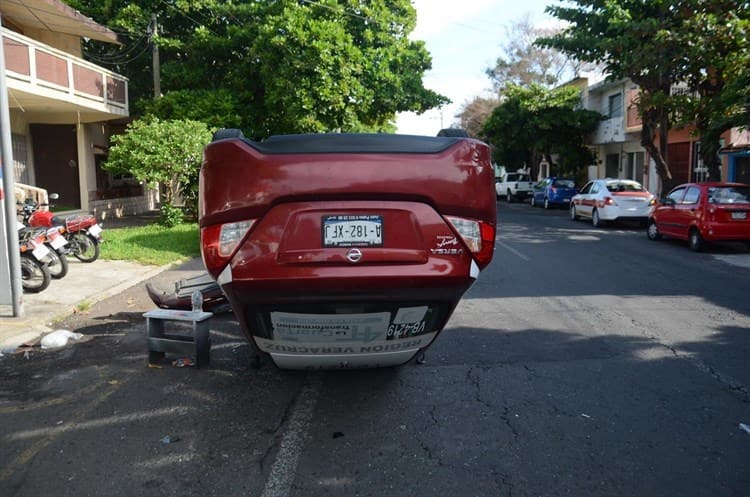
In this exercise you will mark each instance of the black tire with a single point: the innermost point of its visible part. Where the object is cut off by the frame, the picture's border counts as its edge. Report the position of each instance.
(86, 247)
(573, 214)
(227, 134)
(695, 240)
(595, 221)
(58, 267)
(453, 132)
(35, 276)
(652, 231)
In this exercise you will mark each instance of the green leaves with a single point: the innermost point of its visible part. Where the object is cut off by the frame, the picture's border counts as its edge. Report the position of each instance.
(166, 152)
(273, 67)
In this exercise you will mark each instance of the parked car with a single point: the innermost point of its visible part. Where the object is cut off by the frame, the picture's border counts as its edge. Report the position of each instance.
(553, 192)
(703, 212)
(513, 186)
(612, 199)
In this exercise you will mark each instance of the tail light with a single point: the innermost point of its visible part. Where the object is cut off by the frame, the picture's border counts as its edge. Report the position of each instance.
(652, 202)
(608, 201)
(220, 241)
(478, 236)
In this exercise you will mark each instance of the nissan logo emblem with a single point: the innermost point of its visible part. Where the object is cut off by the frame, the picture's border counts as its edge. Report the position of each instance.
(354, 255)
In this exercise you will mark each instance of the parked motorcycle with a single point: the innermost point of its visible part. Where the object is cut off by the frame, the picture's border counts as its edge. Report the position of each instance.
(82, 231)
(58, 248)
(35, 256)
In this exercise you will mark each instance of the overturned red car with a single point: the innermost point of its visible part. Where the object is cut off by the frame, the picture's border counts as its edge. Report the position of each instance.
(345, 250)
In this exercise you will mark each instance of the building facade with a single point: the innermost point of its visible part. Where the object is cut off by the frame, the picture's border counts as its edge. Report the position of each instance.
(63, 109)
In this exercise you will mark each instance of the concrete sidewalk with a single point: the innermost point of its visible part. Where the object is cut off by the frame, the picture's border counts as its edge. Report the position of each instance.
(84, 285)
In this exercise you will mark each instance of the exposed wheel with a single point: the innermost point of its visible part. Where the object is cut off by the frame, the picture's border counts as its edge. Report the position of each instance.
(546, 203)
(508, 196)
(87, 247)
(573, 213)
(595, 220)
(695, 240)
(35, 276)
(58, 267)
(652, 231)
(227, 133)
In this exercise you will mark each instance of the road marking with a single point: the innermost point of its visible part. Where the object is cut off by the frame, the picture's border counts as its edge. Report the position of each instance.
(280, 480)
(513, 251)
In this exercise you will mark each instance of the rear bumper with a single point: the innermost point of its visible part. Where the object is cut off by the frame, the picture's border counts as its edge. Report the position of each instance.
(727, 232)
(341, 323)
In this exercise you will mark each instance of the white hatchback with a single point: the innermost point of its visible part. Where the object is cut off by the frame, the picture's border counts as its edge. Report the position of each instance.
(612, 199)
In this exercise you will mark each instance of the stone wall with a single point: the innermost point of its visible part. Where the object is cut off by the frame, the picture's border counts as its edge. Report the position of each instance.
(126, 206)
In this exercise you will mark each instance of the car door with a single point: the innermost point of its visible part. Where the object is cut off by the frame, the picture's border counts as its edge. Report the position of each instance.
(667, 216)
(583, 201)
(687, 211)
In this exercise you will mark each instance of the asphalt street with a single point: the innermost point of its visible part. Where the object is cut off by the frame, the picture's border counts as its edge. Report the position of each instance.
(583, 362)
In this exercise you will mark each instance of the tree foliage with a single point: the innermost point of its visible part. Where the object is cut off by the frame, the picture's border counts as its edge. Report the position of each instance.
(658, 44)
(534, 122)
(475, 113)
(272, 67)
(168, 153)
(522, 62)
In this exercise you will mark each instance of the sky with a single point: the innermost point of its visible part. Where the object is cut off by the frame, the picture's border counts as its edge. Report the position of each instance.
(464, 38)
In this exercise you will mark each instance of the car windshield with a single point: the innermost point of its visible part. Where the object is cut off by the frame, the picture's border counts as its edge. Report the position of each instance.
(729, 195)
(625, 186)
(564, 183)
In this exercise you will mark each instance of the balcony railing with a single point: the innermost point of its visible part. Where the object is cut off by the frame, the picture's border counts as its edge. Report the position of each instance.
(61, 75)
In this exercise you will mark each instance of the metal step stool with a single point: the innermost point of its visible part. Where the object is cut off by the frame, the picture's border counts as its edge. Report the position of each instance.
(197, 342)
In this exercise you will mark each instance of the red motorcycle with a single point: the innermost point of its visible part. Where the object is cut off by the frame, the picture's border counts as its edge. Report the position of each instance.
(82, 231)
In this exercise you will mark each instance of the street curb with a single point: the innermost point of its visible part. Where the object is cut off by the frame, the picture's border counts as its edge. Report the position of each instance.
(34, 329)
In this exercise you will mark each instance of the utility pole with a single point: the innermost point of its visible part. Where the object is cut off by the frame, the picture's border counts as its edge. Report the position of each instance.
(9, 253)
(154, 31)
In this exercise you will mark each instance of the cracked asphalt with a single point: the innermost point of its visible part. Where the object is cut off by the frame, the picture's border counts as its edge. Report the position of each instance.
(583, 362)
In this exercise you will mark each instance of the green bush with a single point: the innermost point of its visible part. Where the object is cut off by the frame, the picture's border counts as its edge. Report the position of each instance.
(170, 215)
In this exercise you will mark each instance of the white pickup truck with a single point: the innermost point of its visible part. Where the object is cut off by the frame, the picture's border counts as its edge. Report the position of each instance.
(513, 186)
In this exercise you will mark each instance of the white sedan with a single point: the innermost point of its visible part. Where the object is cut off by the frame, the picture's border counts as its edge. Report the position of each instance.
(612, 199)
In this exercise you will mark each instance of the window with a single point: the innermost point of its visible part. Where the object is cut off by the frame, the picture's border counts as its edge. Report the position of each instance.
(20, 159)
(615, 106)
(676, 195)
(692, 195)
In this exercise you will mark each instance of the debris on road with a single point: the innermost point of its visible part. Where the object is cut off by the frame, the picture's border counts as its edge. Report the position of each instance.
(59, 338)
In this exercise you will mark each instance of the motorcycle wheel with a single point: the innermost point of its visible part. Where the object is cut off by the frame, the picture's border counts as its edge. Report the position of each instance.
(87, 247)
(35, 276)
(58, 268)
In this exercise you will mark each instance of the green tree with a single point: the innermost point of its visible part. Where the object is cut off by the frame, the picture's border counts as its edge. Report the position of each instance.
(716, 43)
(534, 122)
(632, 39)
(165, 153)
(276, 67)
(662, 43)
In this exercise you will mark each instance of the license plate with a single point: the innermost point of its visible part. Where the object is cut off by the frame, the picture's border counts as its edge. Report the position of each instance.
(739, 215)
(352, 231)
(40, 252)
(56, 240)
(95, 230)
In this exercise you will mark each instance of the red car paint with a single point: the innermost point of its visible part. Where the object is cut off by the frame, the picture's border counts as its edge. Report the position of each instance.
(418, 215)
(703, 212)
